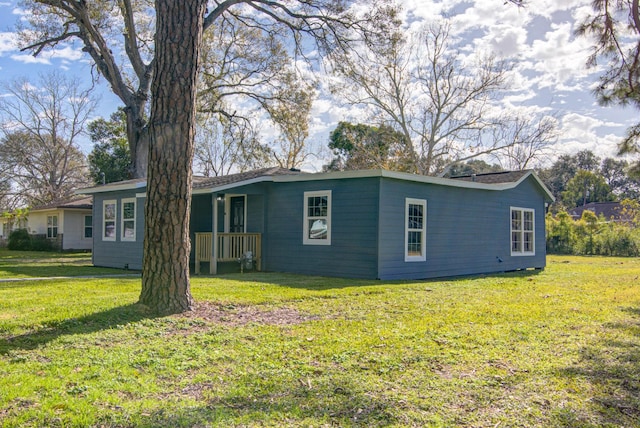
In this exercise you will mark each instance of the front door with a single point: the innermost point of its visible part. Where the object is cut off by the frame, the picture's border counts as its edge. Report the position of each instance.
(236, 221)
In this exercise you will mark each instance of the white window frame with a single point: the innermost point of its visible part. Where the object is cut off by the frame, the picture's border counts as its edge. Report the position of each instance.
(521, 232)
(114, 220)
(423, 231)
(124, 220)
(51, 227)
(306, 239)
(85, 227)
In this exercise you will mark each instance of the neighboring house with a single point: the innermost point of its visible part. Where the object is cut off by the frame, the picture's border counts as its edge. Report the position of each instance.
(69, 223)
(609, 210)
(365, 224)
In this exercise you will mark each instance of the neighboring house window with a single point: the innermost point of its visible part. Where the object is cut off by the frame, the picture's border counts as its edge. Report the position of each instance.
(317, 218)
(129, 219)
(522, 232)
(415, 230)
(109, 221)
(52, 226)
(88, 226)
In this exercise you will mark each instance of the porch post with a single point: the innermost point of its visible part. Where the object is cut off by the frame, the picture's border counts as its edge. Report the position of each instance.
(213, 263)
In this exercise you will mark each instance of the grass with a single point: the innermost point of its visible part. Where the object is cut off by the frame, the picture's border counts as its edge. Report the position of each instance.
(555, 348)
(37, 264)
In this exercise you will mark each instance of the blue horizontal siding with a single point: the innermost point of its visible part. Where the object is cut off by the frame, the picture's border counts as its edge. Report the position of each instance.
(354, 225)
(468, 230)
(118, 253)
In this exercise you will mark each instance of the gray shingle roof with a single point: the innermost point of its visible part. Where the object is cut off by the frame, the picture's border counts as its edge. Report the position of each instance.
(223, 180)
(494, 177)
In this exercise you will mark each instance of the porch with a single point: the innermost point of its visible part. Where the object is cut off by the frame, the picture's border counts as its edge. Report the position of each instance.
(230, 247)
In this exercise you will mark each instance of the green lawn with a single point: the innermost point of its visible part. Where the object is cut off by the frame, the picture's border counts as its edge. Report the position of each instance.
(30, 264)
(554, 348)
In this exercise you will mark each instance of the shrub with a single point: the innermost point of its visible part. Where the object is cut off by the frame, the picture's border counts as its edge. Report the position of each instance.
(41, 243)
(592, 236)
(19, 240)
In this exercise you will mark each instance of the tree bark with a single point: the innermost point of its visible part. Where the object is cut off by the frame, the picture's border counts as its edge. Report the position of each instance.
(165, 271)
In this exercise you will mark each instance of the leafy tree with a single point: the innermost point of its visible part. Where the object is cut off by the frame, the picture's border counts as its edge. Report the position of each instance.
(616, 174)
(41, 123)
(615, 27)
(163, 47)
(360, 146)
(110, 159)
(565, 168)
(584, 188)
(290, 112)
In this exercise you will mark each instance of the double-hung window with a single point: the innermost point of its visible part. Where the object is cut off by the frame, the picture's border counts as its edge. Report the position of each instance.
(415, 219)
(128, 219)
(88, 226)
(317, 218)
(522, 232)
(109, 220)
(52, 226)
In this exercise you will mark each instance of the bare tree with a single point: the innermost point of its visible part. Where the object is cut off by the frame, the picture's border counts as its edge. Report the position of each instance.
(526, 139)
(165, 71)
(225, 144)
(439, 100)
(41, 124)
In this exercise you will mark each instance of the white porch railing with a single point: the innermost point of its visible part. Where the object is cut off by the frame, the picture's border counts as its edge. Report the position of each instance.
(230, 247)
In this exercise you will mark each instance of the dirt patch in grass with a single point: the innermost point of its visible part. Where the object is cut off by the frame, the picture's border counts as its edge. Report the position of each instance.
(242, 315)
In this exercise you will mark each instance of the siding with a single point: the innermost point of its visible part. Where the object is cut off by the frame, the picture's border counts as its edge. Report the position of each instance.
(117, 253)
(468, 230)
(73, 237)
(354, 223)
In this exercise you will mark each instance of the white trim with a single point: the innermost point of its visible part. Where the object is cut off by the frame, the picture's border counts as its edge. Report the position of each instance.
(306, 240)
(522, 231)
(112, 187)
(54, 216)
(84, 227)
(104, 220)
(335, 175)
(123, 219)
(423, 235)
(141, 195)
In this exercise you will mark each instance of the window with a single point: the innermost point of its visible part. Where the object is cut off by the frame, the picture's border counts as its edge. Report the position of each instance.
(52, 226)
(109, 220)
(317, 218)
(415, 230)
(129, 219)
(522, 232)
(88, 226)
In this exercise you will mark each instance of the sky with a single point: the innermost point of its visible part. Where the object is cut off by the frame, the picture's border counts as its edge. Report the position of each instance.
(550, 75)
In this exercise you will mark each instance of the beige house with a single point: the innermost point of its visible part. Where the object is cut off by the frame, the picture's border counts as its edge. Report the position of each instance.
(68, 223)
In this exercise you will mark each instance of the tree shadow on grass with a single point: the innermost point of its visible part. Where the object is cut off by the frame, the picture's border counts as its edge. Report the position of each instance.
(612, 367)
(319, 283)
(287, 406)
(90, 323)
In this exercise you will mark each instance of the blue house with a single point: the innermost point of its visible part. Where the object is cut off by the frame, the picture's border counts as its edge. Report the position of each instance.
(361, 224)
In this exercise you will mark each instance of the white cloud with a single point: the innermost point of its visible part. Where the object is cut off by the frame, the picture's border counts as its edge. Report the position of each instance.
(7, 42)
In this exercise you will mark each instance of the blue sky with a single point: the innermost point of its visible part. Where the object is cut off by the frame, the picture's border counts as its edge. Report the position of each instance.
(550, 75)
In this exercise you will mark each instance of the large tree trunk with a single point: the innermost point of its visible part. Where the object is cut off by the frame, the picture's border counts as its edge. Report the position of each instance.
(165, 269)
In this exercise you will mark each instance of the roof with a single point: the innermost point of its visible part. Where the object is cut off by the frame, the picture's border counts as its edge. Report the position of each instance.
(201, 185)
(85, 202)
(607, 209)
(225, 180)
(494, 177)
